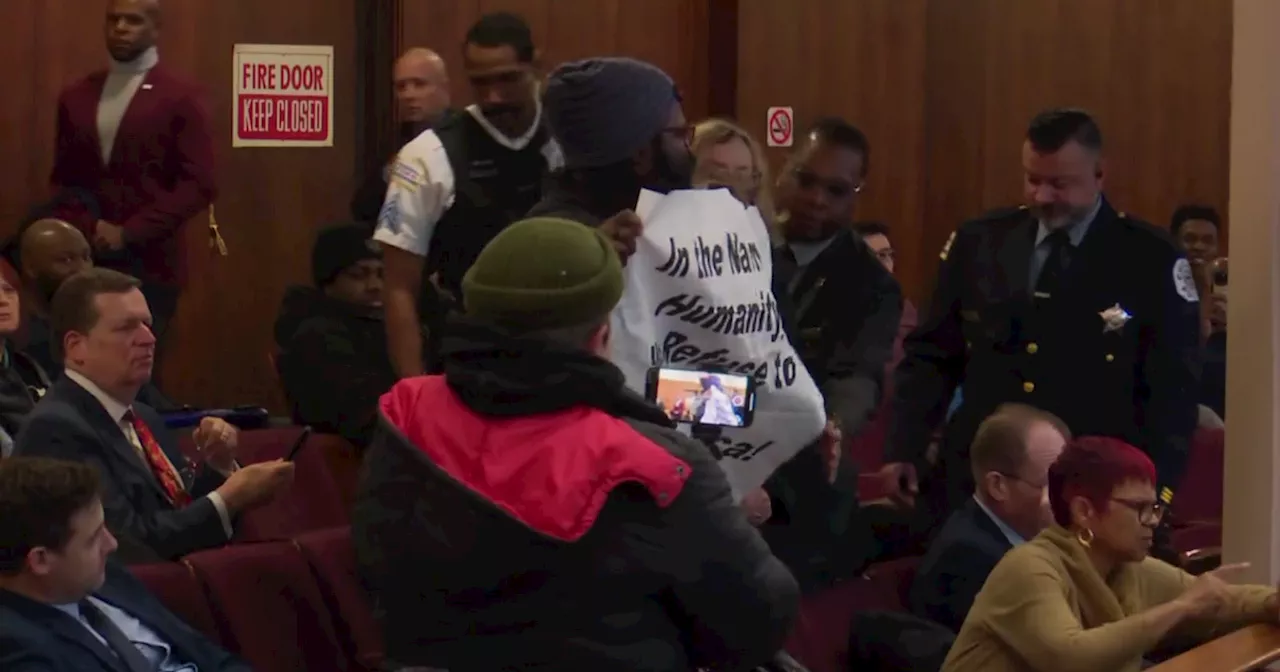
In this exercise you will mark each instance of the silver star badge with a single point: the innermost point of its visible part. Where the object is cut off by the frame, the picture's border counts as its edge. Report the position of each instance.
(1114, 318)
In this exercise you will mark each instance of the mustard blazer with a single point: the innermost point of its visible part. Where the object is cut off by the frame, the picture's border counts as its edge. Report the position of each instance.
(1044, 608)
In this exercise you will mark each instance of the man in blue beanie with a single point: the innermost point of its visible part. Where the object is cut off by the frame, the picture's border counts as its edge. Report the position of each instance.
(621, 129)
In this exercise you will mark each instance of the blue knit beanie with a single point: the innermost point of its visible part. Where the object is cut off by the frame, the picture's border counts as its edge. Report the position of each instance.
(604, 110)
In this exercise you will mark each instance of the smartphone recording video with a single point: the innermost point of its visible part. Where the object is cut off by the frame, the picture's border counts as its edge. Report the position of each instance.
(703, 397)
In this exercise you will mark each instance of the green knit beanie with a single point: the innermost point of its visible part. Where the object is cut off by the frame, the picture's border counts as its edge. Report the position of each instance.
(543, 273)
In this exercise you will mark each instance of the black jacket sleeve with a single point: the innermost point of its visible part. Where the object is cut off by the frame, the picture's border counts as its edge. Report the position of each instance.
(330, 385)
(865, 330)
(946, 591)
(1169, 371)
(171, 533)
(739, 598)
(933, 363)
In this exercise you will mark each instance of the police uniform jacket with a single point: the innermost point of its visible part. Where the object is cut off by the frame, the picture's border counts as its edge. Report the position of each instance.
(1115, 353)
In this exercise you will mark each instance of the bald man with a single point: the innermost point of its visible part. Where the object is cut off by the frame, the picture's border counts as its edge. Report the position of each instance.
(421, 81)
(49, 251)
(136, 136)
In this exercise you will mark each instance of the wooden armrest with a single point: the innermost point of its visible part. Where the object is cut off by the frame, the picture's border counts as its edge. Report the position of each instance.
(1243, 650)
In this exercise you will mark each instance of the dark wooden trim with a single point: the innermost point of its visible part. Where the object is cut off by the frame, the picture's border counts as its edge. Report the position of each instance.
(722, 58)
(377, 45)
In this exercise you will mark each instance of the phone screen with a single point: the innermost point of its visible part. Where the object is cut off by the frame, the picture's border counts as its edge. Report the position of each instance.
(703, 397)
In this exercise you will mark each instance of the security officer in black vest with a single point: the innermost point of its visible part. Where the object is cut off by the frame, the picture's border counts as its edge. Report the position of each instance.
(1064, 304)
(455, 187)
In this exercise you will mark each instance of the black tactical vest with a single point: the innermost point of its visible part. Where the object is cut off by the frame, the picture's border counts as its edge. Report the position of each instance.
(493, 187)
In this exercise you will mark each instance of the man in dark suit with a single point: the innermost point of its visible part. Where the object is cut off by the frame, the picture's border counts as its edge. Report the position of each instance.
(841, 308)
(1011, 455)
(136, 136)
(151, 492)
(63, 604)
(1064, 304)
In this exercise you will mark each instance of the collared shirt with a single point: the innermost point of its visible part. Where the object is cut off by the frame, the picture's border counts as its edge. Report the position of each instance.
(1075, 233)
(148, 642)
(1014, 538)
(117, 411)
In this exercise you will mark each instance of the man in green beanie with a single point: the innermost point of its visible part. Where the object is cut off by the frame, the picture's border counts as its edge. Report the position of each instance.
(525, 510)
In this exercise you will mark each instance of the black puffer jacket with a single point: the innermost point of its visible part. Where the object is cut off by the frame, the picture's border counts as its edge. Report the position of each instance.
(525, 511)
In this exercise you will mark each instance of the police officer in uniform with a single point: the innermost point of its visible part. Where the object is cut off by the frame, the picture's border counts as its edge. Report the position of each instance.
(1064, 304)
(453, 188)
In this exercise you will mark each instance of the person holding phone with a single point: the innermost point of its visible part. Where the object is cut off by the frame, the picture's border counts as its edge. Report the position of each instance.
(1196, 228)
(526, 510)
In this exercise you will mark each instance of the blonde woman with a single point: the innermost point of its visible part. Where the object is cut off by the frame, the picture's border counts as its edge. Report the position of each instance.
(725, 154)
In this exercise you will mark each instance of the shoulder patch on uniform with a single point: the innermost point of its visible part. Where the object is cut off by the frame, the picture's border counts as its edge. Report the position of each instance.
(1184, 281)
(410, 173)
(946, 248)
(389, 218)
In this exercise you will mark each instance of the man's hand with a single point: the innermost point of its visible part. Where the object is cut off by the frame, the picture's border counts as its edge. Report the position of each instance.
(256, 484)
(900, 482)
(757, 506)
(831, 445)
(216, 439)
(108, 236)
(623, 229)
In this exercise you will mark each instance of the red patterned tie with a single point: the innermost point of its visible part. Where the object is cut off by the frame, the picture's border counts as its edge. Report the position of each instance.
(164, 472)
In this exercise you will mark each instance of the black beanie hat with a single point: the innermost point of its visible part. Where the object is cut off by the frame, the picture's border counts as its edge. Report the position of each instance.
(338, 247)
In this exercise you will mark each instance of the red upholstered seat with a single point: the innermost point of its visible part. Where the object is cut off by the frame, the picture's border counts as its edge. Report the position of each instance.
(332, 558)
(316, 501)
(176, 586)
(1199, 497)
(820, 639)
(265, 599)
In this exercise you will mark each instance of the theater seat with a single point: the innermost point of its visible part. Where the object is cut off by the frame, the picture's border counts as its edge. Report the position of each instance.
(333, 560)
(315, 501)
(266, 601)
(176, 586)
(820, 638)
(1199, 496)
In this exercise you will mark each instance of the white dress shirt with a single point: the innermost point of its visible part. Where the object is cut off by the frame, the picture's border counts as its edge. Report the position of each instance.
(117, 411)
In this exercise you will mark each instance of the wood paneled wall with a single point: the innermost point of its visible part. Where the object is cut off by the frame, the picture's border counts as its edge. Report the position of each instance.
(671, 34)
(945, 88)
(271, 201)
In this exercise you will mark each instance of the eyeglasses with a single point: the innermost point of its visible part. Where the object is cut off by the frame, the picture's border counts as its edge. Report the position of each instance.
(834, 188)
(1146, 510)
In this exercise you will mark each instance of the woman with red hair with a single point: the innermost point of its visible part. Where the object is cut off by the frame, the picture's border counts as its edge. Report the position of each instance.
(1083, 595)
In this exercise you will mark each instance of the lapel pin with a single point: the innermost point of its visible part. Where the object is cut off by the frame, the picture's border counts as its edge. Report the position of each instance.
(1114, 318)
(146, 87)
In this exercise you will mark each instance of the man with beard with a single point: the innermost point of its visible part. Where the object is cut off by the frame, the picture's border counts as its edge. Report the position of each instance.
(1063, 304)
(421, 82)
(621, 129)
(842, 308)
(453, 188)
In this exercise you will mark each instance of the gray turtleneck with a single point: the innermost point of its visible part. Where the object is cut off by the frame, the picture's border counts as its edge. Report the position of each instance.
(123, 81)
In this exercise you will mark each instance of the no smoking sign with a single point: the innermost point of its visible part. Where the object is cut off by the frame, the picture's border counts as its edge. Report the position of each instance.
(780, 126)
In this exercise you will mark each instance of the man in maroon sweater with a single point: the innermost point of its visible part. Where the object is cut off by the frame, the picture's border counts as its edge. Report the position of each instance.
(136, 137)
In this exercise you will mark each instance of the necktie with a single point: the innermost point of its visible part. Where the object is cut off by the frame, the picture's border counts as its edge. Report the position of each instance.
(129, 654)
(164, 472)
(1055, 265)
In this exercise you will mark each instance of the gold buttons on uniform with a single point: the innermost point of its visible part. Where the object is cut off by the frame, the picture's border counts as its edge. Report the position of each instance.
(1032, 348)
(1028, 387)
(1110, 357)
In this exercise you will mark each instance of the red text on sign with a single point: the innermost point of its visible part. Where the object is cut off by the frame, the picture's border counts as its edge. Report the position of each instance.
(296, 118)
(281, 77)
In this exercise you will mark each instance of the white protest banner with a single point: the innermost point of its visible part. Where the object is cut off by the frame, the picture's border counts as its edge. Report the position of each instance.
(700, 296)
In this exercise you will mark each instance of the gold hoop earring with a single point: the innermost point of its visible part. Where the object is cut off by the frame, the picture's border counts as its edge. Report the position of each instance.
(1084, 540)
